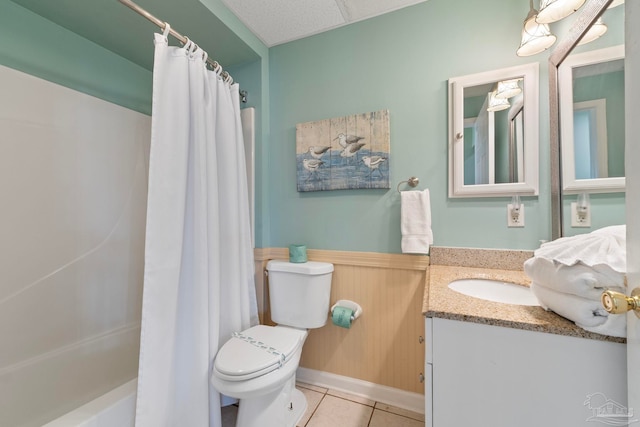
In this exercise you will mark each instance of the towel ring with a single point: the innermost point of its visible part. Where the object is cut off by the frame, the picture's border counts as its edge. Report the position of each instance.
(412, 182)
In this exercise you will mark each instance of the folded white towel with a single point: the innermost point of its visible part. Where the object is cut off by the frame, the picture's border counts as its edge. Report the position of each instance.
(578, 279)
(606, 246)
(415, 222)
(585, 313)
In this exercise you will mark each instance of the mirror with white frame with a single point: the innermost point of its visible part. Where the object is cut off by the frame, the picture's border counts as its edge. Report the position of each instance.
(591, 91)
(493, 133)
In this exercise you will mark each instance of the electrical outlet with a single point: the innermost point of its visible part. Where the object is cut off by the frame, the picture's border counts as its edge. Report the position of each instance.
(515, 220)
(577, 221)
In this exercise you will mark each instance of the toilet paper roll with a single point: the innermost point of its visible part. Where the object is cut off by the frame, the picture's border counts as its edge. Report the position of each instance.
(341, 316)
(297, 253)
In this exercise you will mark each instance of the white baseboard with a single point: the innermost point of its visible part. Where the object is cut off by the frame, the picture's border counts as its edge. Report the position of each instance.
(380, 393)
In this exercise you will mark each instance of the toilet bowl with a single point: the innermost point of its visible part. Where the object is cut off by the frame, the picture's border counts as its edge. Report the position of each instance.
(258, 365)
(263, 380)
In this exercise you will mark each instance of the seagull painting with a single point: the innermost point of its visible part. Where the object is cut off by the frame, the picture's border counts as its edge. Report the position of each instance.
(312, 166)
(345, 140)
(344, 153)
(317, 152)
(373, 162)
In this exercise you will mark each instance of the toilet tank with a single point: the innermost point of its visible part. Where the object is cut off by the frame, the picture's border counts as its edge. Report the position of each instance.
(299, 293)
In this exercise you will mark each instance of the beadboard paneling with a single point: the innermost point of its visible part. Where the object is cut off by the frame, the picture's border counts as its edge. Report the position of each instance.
(382, 345)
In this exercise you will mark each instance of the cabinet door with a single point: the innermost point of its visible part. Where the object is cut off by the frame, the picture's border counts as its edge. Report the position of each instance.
(487, 375)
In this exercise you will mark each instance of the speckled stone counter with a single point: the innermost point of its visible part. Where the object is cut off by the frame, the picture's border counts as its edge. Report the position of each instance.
(440, 301)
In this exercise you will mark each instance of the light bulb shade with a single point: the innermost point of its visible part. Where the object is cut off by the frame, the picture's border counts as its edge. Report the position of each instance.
(536, 37)
(597, 29)
(555, 10)
(508, 88)
(497, 104)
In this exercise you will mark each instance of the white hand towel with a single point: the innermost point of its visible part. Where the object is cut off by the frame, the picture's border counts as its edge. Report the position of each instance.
(585, 313)
(415, 222)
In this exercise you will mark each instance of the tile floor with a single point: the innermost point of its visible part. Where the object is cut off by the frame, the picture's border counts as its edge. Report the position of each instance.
(328, 407)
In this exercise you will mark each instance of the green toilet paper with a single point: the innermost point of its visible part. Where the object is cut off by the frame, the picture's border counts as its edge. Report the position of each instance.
(297, 253)
(341, 316)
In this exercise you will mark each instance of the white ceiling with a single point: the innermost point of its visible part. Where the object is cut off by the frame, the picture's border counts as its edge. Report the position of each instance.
(280, 21)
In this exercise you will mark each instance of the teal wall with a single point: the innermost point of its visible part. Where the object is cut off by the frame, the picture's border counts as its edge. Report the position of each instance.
(39, 47)
(609, 86)
(401, 62)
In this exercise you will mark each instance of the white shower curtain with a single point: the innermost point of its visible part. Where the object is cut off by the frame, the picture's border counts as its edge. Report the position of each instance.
(198, 279)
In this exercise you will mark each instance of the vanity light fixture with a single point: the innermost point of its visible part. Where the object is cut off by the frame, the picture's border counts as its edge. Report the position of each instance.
(555, 10)
(536, 37)
(597, 29)
(508, 88)
(497, 104)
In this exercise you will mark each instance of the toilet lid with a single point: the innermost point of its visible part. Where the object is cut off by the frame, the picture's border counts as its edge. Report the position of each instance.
(257, 351)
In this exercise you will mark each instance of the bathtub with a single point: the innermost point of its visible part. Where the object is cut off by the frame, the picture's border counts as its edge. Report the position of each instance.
(115, 408)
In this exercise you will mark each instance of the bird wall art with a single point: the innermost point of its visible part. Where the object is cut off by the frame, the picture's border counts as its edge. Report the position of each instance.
(343, 153)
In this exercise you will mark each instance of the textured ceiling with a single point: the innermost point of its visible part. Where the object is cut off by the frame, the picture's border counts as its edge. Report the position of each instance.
(280, 21)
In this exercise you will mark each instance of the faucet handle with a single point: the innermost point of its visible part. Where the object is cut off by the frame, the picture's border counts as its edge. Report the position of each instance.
(618, 303)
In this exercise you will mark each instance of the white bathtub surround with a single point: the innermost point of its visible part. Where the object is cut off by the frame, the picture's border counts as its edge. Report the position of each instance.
(115, 408)
(198, 284)
(73, 179)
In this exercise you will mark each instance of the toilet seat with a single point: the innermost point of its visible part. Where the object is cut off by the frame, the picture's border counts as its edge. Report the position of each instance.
(257, 351)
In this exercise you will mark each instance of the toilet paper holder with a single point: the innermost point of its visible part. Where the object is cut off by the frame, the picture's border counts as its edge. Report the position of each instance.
(354, 306)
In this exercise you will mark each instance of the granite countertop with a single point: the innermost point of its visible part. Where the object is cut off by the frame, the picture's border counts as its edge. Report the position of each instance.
(442, 302)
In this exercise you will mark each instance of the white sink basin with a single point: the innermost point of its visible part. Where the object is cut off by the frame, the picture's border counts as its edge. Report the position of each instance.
(494, 290)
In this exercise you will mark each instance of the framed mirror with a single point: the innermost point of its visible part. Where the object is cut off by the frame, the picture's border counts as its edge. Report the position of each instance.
(493, 133)
(608, 206)
(591, 90)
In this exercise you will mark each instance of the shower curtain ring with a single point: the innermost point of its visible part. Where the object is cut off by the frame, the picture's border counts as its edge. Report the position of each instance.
(187, 46)
(167, 29)
(192, 51)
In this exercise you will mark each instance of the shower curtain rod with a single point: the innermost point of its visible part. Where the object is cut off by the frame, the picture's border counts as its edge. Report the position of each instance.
(214, 64)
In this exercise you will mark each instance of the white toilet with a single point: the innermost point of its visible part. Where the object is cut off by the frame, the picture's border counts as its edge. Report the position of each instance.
(258, 365)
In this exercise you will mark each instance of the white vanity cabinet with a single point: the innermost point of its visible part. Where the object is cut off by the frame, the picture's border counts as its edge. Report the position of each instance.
(482, 375)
